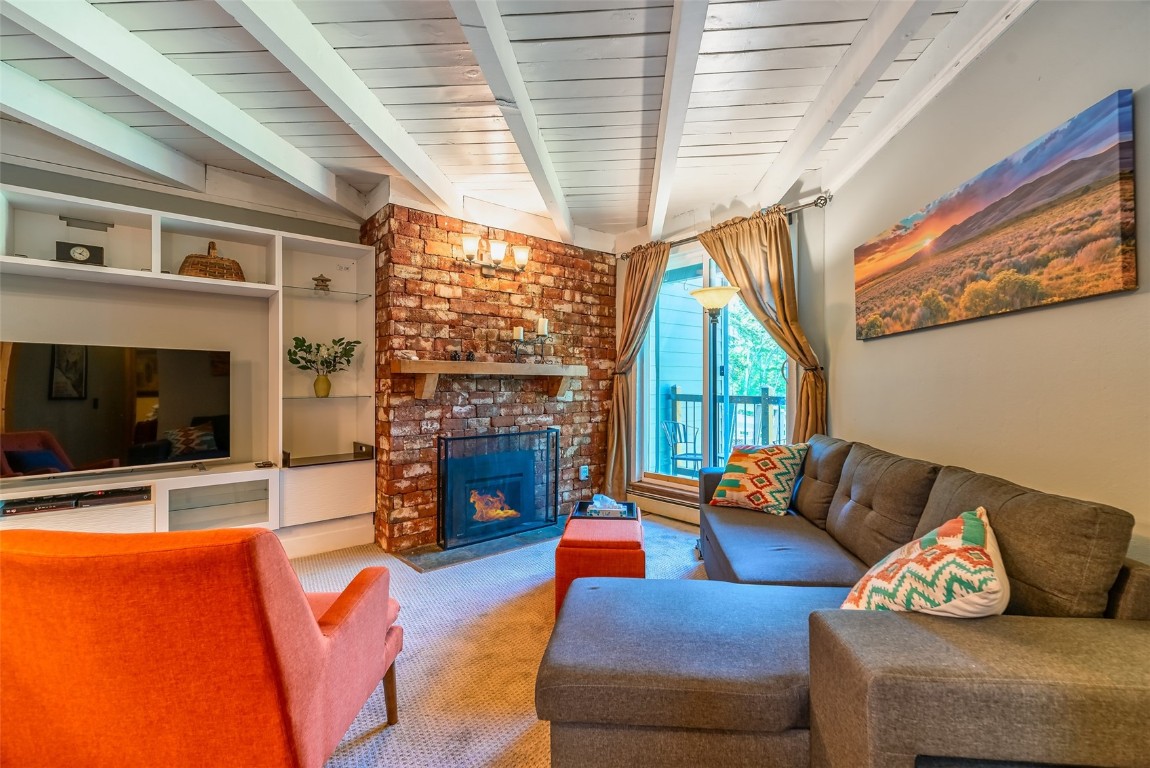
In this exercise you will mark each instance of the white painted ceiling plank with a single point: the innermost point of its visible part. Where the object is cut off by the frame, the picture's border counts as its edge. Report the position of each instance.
(483, 27)
(288, 34)
(879, 41)
(98, 41)
(623, 21)
(797, 36)
(619, 86)
(26, 98)
(377, 34)
(551, 71)
(687, 24)
(974, 28)
(781, 12)
(399, 56)
(781, 58)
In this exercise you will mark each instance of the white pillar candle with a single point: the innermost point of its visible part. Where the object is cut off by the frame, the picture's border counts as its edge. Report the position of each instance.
(517, 333)
(541, 327)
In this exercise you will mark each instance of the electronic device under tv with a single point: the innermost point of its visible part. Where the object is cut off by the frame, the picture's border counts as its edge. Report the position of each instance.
(72, 408)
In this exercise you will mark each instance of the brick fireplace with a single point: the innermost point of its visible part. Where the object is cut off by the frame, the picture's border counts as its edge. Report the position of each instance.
(431, 303)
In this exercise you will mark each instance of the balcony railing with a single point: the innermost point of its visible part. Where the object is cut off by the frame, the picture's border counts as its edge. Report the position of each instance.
(749, 420)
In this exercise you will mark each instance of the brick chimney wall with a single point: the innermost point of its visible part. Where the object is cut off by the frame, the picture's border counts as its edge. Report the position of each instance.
(430, 303)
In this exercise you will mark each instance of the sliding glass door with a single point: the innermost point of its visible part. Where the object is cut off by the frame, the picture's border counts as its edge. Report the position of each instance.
(704, 387)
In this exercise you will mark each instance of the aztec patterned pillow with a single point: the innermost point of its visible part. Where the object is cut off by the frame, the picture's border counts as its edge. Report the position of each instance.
(187, 440)
(955, 570)
(760, 477)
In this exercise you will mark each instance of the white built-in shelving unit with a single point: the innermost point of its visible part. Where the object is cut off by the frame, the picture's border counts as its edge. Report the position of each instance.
(320, 493)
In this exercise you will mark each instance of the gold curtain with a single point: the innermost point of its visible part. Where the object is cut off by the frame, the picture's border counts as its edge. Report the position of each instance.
(645, 271)
(755, 254)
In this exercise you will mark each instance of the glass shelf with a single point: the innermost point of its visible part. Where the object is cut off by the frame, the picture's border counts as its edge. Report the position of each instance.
(300, 292)
(360, 452)
(329, 397)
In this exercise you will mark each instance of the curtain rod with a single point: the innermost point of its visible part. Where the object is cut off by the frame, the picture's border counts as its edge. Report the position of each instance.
(819, 202)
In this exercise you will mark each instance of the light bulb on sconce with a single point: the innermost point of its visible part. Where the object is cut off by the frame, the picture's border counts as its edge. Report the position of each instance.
(521, 253)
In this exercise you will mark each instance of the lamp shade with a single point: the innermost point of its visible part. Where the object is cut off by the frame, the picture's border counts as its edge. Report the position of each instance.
(715, 297)
(498, 250)
(521, 253)
(471, 246)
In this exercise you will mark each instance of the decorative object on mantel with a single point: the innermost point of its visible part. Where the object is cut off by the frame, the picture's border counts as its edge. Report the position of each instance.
(322, 283)
(518, 344)
(322, 359)
(1050, 223)
(496, 254)
(211, 265)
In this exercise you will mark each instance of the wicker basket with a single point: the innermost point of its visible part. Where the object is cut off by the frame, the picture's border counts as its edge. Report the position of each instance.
(212, 265)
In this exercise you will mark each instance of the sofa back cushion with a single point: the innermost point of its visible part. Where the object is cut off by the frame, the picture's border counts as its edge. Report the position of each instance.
(878, 502)
(1062, 555)
(819, 477)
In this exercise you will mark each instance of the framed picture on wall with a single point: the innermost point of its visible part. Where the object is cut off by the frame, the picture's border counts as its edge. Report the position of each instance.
(68, 379)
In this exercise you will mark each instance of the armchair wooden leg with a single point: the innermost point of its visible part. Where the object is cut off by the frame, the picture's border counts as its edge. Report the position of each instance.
(389, 695)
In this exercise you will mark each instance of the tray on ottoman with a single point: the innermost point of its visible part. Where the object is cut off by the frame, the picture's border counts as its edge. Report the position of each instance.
(584, 510)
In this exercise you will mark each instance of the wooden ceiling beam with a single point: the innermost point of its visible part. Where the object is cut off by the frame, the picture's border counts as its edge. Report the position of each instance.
(27, 99)
(487, 36)
(85, 33)
(290, 36)
(889, 28)
(973, 29)
(687, 23)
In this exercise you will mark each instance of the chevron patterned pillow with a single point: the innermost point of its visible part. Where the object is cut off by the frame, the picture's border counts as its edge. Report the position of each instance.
(955, 570)
(760, 477)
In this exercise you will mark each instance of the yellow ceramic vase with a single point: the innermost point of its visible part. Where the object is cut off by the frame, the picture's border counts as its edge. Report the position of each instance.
(322, 385)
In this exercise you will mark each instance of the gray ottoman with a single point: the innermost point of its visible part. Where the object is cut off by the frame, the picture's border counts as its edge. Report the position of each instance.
(662, 673)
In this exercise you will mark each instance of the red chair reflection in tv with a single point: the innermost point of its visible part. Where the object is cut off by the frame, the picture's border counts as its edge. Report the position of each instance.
(39, 453)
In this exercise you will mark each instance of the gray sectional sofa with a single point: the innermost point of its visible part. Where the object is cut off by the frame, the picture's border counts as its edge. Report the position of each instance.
(758, 667)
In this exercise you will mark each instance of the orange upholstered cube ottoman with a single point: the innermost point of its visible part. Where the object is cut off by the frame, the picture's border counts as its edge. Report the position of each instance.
(592, 547)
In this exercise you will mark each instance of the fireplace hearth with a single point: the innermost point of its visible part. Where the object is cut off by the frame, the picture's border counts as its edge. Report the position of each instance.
(492, 486)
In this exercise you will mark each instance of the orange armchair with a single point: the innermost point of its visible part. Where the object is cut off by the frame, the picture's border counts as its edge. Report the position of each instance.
(182, 649)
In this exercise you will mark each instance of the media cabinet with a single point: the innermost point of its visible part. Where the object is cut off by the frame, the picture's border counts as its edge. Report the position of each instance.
(325, 499)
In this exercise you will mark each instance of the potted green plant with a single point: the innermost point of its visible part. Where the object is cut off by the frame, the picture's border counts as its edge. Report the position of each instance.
(322, 359)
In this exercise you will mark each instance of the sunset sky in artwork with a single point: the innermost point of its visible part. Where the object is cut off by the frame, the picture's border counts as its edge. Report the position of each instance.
(1088, 133)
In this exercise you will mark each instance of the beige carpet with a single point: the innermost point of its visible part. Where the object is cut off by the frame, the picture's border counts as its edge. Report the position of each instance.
(473, 637)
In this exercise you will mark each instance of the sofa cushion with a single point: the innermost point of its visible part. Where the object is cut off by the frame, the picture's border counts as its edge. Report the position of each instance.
(889, 686)
(680, 654)
(187, 440)
(753, 548)
(760, 477)
(1063, 555)
(955, 570)
(879, 501)
(820, 475)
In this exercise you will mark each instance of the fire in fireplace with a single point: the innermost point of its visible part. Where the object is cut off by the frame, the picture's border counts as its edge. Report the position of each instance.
(497, 485)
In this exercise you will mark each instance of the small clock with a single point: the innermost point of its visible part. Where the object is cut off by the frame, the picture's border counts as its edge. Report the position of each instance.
(79, 253)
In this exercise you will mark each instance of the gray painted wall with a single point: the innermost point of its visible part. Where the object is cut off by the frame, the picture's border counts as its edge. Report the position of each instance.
(1053, 398)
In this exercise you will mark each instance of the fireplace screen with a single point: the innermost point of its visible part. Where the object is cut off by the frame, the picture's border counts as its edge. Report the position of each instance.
(496, 485)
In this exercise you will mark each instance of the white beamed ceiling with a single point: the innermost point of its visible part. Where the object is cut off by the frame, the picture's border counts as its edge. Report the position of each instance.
(594, 72)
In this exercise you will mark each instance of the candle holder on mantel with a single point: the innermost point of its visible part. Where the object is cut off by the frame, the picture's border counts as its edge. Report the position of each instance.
(519, 344)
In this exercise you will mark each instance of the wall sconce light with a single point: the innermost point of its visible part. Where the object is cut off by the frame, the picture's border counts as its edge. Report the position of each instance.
(496, 254)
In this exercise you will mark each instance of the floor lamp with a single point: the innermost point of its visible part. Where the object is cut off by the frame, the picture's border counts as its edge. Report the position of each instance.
(713, 300)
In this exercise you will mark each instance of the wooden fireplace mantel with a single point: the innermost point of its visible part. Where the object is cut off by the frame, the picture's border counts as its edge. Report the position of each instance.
(427, 373)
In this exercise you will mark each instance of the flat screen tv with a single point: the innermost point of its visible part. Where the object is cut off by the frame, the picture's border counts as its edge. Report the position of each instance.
(73, 408)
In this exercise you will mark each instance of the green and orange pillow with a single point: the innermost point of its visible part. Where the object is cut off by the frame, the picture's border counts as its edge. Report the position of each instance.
(955, 570)
(760, 477)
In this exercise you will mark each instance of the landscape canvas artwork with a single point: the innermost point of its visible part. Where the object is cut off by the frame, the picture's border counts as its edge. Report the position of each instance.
(1050, 223)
